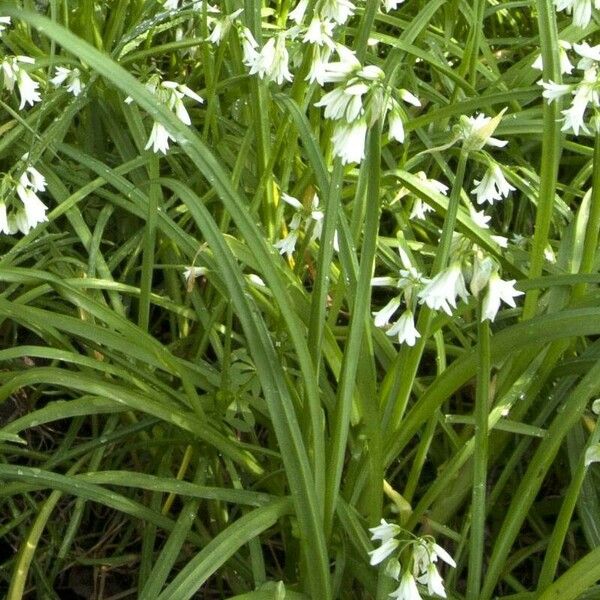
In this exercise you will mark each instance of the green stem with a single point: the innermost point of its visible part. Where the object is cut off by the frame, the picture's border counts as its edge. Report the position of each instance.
(360, 314)
(477, 537)
(551, 148)
(396, 391)
(563, 521)
(590, 246)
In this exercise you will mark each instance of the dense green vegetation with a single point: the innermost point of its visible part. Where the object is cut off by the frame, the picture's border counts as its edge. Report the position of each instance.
(271, 273)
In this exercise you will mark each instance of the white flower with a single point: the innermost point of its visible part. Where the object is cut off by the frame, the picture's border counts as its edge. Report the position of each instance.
(337, 10)
(4, 23)
(193, 272)
(479, 218)
(272, 61)
(482, 270)
(493, 185)
(477, 131)
(584, 94)
(287, 245)
(249, 46)
(318, 65)
(419, 209)
(384, 531)
(71, 76)
(349, 141)
(380, 554)
(33, 178)
(441, 292)
(383, 316)
(34, 208)
(4, 226)
(170, 4)
(341, 70)
(405, 329)
(297, 15)
(581, 9)
(319, 32)
(391, 4)
(395, 121)
(222, 26)
(592, 454)
(589, 55)
(497, 291)
(565, 63)
(159, 139)
(553, 91)
(407, 590)
(14, 73)
(431, 578)
(344, 102)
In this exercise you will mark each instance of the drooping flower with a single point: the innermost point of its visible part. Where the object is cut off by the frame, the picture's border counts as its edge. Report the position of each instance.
(71, 76)
(565, 63)
(384, 531)
(4, 23)
(405, 329)
(337, 10)
(380, 554)
(34, 210)
(493, 185)
(297, 15)
(272, 61)
(431, 578)
(441, 292)
(159, 139)
(581, 10)
(349, 141)
(319, 32)
(391, 4)
(498, 291)
(407, 590)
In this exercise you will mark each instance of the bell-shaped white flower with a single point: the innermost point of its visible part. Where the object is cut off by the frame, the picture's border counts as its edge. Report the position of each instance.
(4, 23)
(4, 226)
(249, 46)
(384, 531)
(441, 292)
(319, 32)
(498, 291)
(565, 63)
(34, 210)
(272, 61)
(159, 139)
(493, 185)
(432, 579)
(380, 554)
(297, 15)
(349, 141)
(391, 4)
(407, 590)
(405, 329)
(337, 10)
(590, 55)
(382, 317)
(72, 77)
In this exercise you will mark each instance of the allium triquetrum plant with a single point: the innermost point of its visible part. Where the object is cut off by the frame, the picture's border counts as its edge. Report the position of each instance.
(300, 299)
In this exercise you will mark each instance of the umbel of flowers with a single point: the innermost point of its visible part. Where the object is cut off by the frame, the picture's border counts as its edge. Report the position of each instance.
(470, 270)
(359, 95)
(411, 560)
(583, 90)
(22, 209)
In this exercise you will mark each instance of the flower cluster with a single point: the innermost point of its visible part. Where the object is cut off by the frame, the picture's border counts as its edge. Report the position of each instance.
(27, 210)
(360, 95)
(13, 73)
(585, 92)
(414, 563)
(69, 77)
(171, 94)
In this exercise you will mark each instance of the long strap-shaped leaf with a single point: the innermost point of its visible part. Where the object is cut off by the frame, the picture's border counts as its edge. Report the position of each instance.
(271, 375)
(225, 545)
